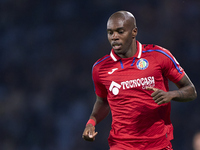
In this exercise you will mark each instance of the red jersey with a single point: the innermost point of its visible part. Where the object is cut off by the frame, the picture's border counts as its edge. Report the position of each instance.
(137, 121)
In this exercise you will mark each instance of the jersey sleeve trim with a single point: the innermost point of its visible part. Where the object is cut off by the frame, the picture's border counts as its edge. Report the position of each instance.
(100, 61)
(171, 58)
(98, 86)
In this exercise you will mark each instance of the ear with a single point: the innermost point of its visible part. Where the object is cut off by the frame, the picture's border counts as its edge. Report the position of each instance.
(134, 32)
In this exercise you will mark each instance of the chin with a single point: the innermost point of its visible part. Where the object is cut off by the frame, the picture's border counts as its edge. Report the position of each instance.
(118, 50)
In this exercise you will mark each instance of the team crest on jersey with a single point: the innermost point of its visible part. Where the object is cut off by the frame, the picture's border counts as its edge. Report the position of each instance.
(142, 64)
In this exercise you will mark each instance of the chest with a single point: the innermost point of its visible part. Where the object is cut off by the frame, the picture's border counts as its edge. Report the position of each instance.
(131, 74)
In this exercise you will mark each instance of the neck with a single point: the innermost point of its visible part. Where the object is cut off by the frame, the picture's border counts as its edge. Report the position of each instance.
(131, 51)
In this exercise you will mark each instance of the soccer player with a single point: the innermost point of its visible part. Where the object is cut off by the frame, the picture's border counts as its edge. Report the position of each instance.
(132, 83)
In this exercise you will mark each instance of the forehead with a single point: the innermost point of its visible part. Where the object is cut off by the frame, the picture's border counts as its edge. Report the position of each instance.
(114, 23)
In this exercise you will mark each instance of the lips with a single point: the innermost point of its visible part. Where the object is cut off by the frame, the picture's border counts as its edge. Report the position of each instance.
(116, 45)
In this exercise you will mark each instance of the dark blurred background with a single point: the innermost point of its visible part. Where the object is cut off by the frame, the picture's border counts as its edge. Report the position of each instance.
(47, 49)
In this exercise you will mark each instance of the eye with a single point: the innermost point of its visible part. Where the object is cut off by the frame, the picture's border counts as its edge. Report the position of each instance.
(110, 32)
(121, 31)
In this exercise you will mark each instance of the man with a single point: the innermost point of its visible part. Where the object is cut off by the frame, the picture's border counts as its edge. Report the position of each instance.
(132, 82)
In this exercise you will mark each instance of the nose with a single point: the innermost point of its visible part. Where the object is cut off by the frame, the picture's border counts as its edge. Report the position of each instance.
(115, 36)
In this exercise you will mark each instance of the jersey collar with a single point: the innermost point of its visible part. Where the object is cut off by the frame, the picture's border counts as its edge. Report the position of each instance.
(138, 54)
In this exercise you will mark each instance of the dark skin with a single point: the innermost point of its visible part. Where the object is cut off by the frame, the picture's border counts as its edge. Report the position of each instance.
(122, 32)
(100, 110)
(185, 93)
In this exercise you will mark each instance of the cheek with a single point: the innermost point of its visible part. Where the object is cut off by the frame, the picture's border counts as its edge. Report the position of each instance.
(109, 38)
(128, 40)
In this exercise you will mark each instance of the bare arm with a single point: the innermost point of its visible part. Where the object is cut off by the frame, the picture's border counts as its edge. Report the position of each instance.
(186, 92)
(100, 110)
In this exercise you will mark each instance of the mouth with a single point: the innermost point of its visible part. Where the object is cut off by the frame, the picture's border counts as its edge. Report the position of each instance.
(116, 46)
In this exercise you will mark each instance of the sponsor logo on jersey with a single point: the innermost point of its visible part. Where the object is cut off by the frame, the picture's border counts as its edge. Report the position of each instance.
(114, 87)
(142, 64)
(142, 82)
(110, 72)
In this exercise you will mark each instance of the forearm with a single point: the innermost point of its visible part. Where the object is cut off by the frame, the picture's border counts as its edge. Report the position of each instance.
(100, 110)
(185, 94)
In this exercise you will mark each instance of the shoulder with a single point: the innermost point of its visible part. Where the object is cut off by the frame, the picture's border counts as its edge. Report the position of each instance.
(98, 65)
(161, 55)
(101, 61)
(156, 50)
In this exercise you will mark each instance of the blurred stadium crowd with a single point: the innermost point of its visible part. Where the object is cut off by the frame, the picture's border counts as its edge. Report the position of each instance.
(47, 49)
